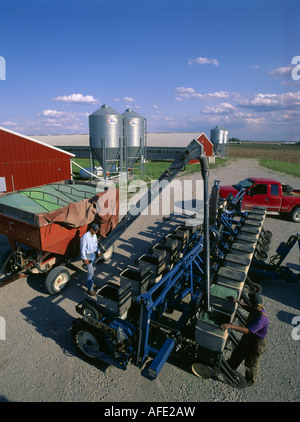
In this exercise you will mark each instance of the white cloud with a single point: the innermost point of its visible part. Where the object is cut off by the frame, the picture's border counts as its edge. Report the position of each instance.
(9, 123)
(129, 99)
(255, 120)
(77, 98)
(203, 60)
(53, 113)
(282, 72)
(270, 102)
(223, 108)
(67, 120)
(183, 92)
(62, 114)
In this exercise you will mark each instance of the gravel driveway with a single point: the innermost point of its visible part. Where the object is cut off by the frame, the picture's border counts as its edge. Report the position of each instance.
(37, 360)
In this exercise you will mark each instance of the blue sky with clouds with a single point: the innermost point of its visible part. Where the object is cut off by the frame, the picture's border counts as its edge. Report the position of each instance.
(184, 65)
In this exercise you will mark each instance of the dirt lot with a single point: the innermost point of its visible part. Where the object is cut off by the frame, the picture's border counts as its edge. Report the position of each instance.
(37, 360)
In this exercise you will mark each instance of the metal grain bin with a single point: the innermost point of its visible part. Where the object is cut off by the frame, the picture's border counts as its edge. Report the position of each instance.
(106, 135)
(134, 132)
(219, 138)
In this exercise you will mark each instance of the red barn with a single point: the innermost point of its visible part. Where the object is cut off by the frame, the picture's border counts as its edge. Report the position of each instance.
(26, 162)
(208, 147)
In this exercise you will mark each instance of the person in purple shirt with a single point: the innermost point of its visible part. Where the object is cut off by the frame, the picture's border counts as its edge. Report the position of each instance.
(253, 342)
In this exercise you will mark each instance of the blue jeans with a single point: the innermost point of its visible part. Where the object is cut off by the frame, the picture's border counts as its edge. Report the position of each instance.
(91, 269)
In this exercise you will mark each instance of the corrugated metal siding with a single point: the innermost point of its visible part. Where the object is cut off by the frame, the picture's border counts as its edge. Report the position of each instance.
(26, 164)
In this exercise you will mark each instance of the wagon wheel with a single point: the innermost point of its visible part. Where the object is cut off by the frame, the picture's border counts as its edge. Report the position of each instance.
(57, 280)
(84, 334)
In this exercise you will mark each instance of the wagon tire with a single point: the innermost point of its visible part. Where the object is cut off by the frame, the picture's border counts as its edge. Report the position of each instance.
(295, 215)
(57, 280)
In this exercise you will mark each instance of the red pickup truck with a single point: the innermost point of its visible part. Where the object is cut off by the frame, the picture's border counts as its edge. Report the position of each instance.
(277, 197)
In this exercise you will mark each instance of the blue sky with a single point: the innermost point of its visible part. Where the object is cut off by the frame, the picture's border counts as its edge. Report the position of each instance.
(183, 65)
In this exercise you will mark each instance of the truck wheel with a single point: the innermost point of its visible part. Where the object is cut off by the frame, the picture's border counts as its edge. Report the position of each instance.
(295, 215)
(84, 334)
(57, 280)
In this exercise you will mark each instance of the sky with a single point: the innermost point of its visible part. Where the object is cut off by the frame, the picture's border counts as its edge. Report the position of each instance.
(184, 65)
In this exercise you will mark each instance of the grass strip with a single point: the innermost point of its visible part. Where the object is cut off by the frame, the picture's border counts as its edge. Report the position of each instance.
(284, 167)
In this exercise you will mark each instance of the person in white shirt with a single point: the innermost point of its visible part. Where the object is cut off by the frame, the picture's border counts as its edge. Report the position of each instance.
(88, 249)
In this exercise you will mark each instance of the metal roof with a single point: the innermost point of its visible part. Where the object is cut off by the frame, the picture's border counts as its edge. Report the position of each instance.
(157, 139)
(64, 140)
(37, 140)
(171, 139)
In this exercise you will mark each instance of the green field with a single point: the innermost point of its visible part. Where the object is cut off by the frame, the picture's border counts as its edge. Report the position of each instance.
(275, 156)
(289, 168)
